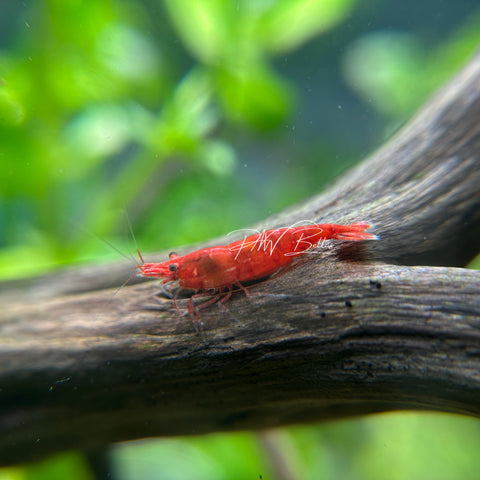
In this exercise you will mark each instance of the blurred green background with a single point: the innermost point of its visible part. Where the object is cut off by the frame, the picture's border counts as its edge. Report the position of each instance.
(197, 118)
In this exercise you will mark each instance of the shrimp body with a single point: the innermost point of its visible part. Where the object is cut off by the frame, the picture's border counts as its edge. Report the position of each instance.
(257, 256)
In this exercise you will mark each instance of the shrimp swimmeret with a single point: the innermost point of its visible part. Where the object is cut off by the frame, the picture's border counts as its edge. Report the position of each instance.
(214, 270)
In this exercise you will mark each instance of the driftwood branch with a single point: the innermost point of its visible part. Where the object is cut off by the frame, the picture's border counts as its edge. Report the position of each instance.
(346, 331)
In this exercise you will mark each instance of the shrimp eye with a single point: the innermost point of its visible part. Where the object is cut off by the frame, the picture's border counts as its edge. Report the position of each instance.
(172, 255)
(173, 267)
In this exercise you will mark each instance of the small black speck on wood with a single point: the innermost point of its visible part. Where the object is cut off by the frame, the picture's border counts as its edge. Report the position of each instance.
(75, 358)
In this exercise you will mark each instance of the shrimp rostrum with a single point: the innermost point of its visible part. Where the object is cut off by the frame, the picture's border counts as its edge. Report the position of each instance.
(216, 270)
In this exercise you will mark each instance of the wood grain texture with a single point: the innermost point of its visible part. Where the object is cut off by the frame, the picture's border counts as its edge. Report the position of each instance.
(348, 330)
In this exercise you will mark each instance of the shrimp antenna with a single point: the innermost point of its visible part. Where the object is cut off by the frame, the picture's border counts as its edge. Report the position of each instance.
(101, 239)
(113, 247)
(140, 255)
(130, 228)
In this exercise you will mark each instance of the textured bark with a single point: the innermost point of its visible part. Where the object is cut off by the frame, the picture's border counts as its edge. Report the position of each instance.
(345, 331)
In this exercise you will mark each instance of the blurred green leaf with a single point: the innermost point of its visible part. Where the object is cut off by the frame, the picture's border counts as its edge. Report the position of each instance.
(255, 95)
(98, 131)
(12, 111)
(69, 465)
(127, 53)
(287, 24)
(208, 28)
(218, 157)
(419, 447)
(211, 457)
(384, 68)
(394, 73)
(187, 117)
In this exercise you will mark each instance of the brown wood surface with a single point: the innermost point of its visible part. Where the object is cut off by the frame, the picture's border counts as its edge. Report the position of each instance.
(348, 330)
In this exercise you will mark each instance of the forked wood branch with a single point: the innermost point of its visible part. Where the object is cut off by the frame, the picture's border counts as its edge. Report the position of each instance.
(351, 330)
